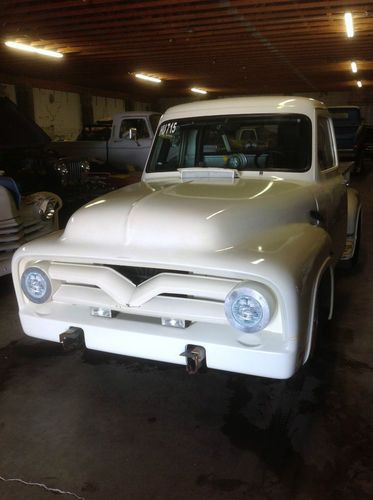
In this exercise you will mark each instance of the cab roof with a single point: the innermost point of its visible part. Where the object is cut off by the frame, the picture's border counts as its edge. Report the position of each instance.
(244, 105)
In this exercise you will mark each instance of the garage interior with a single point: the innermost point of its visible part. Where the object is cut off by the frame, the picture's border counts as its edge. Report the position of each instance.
(91, 425)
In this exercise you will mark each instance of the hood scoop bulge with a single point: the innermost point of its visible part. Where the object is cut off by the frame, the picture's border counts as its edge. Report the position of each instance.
(207, 173)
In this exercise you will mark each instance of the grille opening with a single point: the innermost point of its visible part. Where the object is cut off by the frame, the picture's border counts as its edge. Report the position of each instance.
(140, 274)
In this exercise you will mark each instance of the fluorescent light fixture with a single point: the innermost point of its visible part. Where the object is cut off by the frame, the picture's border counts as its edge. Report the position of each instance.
(349, 24)
(354, 67)
(359, 83)
(198, 91)
(34, 50)
(147, 78)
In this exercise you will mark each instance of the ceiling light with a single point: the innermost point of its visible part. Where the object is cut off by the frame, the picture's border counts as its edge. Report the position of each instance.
(359, 84)
(354, 67)
(147, 78)
(198, 91)
(34, 50)
(349, 24)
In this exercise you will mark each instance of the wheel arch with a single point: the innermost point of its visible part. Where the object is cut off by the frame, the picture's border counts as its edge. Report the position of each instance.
(322, 294)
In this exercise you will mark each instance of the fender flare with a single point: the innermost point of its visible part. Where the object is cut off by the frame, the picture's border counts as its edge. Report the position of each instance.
(325, 270)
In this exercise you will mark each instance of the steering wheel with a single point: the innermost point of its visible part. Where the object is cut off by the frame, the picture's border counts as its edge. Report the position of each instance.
(237, 161)
(274, 158)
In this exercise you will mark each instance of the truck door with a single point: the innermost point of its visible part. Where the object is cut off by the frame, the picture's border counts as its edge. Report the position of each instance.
(332, 193)
(124, 151)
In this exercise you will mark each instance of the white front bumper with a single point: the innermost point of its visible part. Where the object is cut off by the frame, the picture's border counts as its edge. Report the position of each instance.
(145, 338)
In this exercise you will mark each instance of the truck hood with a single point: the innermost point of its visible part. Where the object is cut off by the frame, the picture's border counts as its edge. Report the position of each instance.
(195, 216)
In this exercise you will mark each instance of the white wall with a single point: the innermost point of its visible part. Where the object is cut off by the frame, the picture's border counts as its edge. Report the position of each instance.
(141, 106)
(58, 113)
(8, 91)
(106, 107)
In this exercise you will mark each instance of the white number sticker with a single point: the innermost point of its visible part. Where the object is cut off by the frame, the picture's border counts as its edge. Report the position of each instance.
(168, 129)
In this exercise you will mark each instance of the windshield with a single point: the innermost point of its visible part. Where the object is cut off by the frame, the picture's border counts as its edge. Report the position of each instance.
(279, 142)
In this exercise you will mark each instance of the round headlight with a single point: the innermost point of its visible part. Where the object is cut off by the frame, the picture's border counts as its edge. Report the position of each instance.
(249, 309)
(48, 209)
(36, 285)
(85, 166)
(61, 168)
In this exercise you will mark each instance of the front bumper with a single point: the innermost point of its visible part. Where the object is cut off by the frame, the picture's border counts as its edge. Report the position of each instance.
(267, 354)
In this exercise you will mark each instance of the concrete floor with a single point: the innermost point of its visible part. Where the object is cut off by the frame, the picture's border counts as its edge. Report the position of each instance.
(95, 426)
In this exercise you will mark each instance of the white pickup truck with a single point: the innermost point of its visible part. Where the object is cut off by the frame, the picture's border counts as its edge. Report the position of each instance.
(223, 254)
(118, 144)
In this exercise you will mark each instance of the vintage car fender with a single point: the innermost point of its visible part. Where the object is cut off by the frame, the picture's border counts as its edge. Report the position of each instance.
(23, 219)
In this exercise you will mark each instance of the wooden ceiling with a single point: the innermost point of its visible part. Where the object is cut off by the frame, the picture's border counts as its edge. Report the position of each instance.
(227, 47)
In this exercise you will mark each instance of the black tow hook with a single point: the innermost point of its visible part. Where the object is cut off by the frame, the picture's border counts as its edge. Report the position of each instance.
(195, 355)
(72, 338)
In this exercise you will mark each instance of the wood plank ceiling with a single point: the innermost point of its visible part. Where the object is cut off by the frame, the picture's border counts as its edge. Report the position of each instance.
(226, 46)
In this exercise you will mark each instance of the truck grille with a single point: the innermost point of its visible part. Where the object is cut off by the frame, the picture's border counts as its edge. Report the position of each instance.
(140, 274)
(75, 171)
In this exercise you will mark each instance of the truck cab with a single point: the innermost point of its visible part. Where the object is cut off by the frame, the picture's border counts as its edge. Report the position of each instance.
(114, 144)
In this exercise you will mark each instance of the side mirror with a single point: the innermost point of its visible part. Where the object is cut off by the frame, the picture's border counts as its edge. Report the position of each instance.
(132, 134)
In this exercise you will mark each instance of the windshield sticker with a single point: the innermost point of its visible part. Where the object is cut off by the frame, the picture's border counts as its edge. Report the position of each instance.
(168, 129)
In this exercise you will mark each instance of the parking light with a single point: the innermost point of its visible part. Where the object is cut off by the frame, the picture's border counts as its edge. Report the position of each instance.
(175, 323)
(102, 312)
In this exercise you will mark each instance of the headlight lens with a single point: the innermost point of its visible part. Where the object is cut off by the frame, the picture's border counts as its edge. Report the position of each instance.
(85, 166)
(48, 209)
(249, 309)
(36, 285)
(61, 168)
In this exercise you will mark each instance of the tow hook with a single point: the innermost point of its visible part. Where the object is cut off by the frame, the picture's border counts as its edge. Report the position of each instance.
(195, 355)
(72, 338)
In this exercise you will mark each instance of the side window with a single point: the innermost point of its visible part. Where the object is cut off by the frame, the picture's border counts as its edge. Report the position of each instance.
(324, 144)
(138, 123)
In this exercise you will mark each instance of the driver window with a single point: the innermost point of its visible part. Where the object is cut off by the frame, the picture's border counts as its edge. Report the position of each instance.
(325, 152)
(138, 123)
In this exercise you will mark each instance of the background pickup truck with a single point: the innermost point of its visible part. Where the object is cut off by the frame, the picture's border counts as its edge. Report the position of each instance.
(123, 142)
(349, 131)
